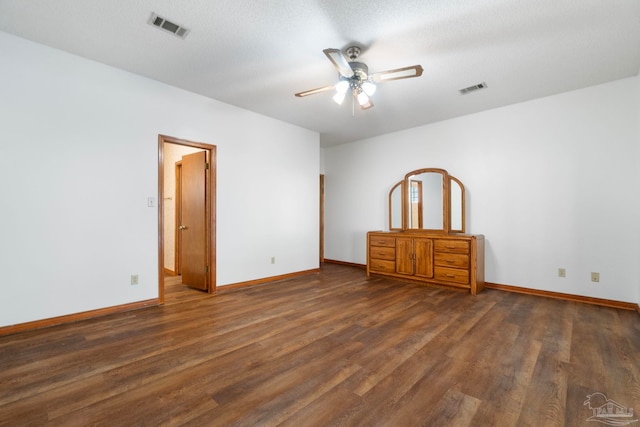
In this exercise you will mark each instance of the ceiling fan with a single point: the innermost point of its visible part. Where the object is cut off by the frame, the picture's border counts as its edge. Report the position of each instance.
(355, 76)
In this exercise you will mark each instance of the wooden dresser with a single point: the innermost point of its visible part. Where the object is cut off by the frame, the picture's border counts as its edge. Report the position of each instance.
(440, 258)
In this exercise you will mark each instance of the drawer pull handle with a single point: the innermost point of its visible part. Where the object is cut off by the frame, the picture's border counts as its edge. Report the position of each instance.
(450, 275)
(450, 247)
(450, 261)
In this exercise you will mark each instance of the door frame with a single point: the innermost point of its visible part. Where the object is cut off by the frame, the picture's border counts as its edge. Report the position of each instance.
(321, 218)
(210, 185)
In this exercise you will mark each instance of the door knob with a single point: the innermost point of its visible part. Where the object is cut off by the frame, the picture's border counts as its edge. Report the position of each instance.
(182, 227)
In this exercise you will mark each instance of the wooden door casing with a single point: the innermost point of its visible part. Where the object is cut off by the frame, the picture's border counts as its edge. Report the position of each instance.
(210, 185)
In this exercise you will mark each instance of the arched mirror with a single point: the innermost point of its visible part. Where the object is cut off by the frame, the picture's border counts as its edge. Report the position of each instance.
(395, 207)
(428, 199)
(456, 192)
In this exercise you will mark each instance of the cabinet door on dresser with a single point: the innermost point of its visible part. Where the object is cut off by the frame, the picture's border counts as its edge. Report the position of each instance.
(423, 250)
(414, 256)
(404, 255)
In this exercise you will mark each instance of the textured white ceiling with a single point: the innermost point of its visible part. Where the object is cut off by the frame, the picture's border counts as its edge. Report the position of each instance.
(256, 54)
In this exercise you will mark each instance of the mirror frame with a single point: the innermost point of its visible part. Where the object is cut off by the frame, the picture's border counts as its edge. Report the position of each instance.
(445, 199)
(399, 186)
(463, 209)
(447, 183)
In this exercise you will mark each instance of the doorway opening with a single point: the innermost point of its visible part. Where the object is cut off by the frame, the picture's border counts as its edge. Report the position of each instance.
(186, 213)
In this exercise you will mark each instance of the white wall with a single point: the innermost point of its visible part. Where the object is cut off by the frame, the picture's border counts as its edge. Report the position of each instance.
(79, 157)
(550, 183)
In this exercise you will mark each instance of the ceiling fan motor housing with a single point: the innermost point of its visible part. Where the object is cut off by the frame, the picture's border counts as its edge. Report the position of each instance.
(360, 74)
(360, 70)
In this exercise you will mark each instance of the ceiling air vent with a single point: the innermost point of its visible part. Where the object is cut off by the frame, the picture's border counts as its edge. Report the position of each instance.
(175, 29)
(473, 88)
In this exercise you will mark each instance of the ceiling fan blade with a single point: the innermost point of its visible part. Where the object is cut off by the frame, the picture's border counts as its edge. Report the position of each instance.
(397, 74)
(339, 61)
(313, 91)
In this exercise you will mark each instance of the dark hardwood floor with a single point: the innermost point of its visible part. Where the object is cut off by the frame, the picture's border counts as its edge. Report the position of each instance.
(333, 348)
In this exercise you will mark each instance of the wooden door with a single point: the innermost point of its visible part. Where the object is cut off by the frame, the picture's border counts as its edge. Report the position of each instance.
(404, 255)
(423, 250)
(193, 226)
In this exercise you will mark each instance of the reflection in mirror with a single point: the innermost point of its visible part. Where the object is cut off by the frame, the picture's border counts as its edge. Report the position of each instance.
(426, 201)
(415, 204)
(395, 207)
(456, 190)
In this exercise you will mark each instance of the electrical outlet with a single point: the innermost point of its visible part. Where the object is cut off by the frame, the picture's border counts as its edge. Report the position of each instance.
(273, 260)
(562, 272)
(134, 279)
(595, 277)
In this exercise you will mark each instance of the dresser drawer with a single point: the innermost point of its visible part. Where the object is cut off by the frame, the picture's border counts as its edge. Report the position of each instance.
(387, 241)
(381, 252)
(445, 259)
(382, 266)
(453, 275)
(451, 246)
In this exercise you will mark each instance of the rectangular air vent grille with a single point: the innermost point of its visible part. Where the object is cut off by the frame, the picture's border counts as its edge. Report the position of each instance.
(473, 88)
(162, 23)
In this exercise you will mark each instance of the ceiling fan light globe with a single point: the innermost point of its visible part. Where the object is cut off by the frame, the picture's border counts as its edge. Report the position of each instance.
(342, 86)
(363, 99)
(338, 98)
(369, 88)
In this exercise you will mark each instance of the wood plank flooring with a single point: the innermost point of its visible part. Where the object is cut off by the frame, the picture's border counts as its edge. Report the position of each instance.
(327, 349)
